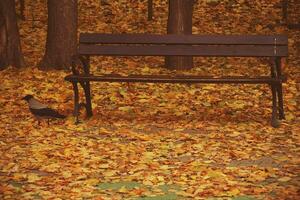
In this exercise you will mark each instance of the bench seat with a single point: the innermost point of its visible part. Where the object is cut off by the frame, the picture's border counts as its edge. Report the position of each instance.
(174, 79)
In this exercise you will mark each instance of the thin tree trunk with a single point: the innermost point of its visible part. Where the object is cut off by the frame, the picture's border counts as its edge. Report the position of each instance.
(150, 9)
(180, 22)
(10, 46)
(61, 41)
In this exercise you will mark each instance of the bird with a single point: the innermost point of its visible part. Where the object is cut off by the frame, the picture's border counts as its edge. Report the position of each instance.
(40, 110)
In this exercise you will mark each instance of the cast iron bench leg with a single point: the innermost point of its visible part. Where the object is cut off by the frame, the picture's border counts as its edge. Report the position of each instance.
(280, 102)
(86, 86)
(279, 89)
(275, 123)
(76, 102)
(88, 105)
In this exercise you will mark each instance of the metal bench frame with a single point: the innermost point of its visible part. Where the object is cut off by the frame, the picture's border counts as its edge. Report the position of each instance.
(274, 47)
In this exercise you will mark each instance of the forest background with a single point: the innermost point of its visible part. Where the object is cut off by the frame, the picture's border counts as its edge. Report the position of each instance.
(152, 141)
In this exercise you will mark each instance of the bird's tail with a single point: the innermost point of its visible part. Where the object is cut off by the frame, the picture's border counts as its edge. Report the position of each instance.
(60, 116)
(55, 114)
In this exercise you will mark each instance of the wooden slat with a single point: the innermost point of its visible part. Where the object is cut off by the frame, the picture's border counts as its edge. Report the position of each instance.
(293, 26)
(173, 79)
(180, 50)
(182, 39)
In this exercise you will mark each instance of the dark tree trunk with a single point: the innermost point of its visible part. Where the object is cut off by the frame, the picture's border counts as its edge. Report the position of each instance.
(180, 22)
(22, 8)
(61, 34)
(150, 9)
(10, 47)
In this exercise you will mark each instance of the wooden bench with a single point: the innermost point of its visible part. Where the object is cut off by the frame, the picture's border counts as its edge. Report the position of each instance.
(274, 47)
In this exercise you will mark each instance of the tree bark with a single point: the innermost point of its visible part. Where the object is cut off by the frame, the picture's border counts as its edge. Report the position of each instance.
(150, 10)
(180, 22)
(10, 45)
(61, 42)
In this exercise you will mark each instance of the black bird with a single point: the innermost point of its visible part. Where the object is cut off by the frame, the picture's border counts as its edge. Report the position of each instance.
(40, 110)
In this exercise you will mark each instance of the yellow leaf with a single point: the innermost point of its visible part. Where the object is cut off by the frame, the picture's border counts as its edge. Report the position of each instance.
(19, 176)
(8, 167)
(235, 134)
(214, 174)
(198, 146)
(143, 100)
(81, 177)
(234, 192)
(179, 129)
(164, 167)
(282, 158)
(160, 178)
(145, 69)
(208, 161)
(147, 182)
(110, 173)
(68, 152)
(77, 190)
(29, 91)
(125, 108)
(284, 179)
(151, 178)
(149, 155)
(51, 168)
(198, 190)
(123, 189)
(289, 116)
(33, 177)
(67, 174)
(92, 181)
(104, 166)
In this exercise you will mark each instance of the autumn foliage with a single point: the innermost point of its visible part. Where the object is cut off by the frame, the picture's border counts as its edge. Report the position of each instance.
(152, 141)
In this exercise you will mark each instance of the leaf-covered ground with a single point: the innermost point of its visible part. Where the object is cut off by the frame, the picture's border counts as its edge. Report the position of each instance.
(152, 141)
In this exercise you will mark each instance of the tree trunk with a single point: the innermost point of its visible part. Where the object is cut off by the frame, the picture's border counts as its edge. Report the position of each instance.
(150, 10)
(180, 22)
(10, 46)
(61, 42)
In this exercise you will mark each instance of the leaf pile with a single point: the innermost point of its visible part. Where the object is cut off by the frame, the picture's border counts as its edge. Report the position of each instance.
(152, 141)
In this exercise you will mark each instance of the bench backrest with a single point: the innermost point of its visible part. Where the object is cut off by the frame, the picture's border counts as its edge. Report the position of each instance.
(183, 45)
